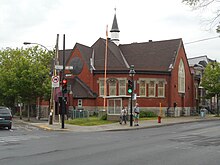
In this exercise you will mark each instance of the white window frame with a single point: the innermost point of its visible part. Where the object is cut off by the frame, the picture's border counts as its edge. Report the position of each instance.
(80, 103)
(112, 88)
(142, 88)
(122, 87)
(181, 77)
(151, 88)
(101, 88)
(161, 88)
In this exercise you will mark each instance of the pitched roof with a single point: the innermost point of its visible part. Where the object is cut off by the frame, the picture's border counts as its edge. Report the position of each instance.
(115, 59)
(151, 56)
(86, 52)
(202, 60)
(146, 56)
(67, 55)
(80, 89)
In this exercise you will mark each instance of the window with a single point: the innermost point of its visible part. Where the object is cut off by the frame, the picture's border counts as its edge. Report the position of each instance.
(161, 89)
(122, 87)
(142, 88)
(112, 88)
(114, 106)
(101, 87)
(181, 77)
(79, 102)
(151, 89)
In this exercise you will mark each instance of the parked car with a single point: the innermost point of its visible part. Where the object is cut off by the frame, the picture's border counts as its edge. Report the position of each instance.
(5, 117)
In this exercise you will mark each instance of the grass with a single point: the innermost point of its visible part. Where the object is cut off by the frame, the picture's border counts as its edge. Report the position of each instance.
(91, 121)
(148, 118)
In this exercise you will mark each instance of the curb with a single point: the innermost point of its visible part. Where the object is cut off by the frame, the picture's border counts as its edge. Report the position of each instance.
(47, 127)
(162, 125)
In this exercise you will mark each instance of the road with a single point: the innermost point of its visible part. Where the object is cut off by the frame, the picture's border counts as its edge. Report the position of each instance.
(181, 144)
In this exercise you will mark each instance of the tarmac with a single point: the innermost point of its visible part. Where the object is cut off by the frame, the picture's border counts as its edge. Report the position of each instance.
(143, 124)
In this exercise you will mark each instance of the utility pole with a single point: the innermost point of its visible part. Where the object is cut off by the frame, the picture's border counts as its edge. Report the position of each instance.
(63, 77)
(52, 102)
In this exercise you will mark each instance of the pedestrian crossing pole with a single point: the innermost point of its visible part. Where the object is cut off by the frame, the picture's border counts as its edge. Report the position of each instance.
(131, 74)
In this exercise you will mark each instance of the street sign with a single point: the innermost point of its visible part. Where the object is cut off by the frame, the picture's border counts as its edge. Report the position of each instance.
(60, 67)
(55, 81)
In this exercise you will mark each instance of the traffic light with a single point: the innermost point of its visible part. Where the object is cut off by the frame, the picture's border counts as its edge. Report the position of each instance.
(64, 85)
(130, 86)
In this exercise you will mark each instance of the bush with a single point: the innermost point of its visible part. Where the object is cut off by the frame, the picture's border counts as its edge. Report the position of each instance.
(147, 114)
(104, 117)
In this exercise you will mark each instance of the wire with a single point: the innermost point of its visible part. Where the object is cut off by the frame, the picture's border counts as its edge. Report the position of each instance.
(202, 40)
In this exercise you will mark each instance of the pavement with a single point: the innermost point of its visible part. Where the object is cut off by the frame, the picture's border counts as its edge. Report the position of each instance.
(143, 124)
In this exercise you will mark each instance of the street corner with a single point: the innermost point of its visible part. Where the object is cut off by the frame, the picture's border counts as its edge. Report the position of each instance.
(51, 128)
(45, 127)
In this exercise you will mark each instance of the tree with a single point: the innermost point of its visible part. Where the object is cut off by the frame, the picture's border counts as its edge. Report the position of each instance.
(202, 4)
(24, 75)
(211, 81)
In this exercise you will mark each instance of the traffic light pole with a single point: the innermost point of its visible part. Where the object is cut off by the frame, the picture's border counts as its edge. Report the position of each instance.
(63, 76)
(131, 106)
(131, 91)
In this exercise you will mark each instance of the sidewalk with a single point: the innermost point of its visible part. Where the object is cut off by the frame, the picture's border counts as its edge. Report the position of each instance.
(116, 126)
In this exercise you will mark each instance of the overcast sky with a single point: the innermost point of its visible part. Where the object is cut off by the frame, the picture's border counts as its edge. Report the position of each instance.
(84, 21)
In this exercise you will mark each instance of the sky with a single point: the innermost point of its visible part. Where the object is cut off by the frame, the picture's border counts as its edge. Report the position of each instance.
(84, 21)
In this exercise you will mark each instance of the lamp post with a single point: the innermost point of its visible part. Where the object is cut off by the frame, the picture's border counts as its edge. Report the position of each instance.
(31, 43)
(51, 104)
(131, 74)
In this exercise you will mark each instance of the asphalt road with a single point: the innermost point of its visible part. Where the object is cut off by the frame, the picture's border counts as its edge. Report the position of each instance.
(182, 144)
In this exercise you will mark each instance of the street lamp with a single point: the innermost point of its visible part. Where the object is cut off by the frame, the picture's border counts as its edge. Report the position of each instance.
(131, 74)
(31, 43)
(51, 104)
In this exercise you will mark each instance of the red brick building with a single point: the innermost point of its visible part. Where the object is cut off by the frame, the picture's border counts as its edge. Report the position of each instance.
(162, 75)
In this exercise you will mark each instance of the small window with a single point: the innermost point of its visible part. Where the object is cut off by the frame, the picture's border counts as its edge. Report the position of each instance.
(151, 89)
(112, 88)
(142, 88)
(122, 87)
(79, 102)
(161, 89)
(101, 87)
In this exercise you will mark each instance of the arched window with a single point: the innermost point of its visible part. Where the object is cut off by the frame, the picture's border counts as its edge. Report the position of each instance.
(181, 77)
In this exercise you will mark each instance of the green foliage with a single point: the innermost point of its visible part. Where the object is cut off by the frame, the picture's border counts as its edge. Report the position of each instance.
(91, 121)
(147, 114)
(211, 79)
(104, 117)
(24, 75)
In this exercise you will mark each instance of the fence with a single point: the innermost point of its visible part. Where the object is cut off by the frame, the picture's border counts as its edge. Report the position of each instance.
(79, 114)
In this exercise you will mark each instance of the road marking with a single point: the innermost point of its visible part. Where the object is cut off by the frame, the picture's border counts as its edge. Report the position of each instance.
(7, 139)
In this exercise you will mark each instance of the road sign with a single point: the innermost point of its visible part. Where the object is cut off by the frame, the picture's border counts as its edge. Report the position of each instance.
(60, 67)
(55, 81)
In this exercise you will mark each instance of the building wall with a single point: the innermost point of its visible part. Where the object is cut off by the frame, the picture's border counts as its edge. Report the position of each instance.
(146, 103)
(185, 100)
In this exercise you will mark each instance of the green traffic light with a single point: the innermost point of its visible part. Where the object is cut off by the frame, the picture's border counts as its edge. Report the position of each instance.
(129, 91)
